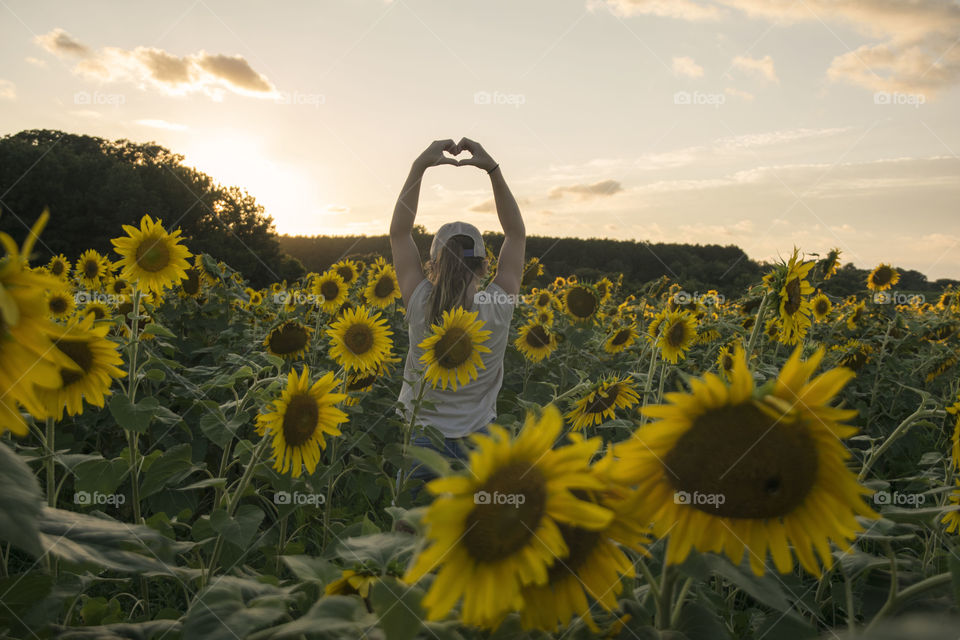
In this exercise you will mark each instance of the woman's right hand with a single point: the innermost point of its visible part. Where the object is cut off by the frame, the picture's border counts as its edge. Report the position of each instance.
(433, 156)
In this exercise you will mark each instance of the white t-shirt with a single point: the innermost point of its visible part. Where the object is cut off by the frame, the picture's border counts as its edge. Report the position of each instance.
(473, 405)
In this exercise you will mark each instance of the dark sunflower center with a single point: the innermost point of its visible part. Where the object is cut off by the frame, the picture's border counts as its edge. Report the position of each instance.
(600, 402)
(454, 348)
(329, 290)
(882, 276)
(289, 338)
(537, 337)
(79, 351)
(91, 269)
(581, 543)
(581, 302)
(677, 334)
(384, 287)
(192, 284)
(792, 304)
(822, 307)
(356, 384)
(727, 362)
(753, 465)
(153, 255)
(543, 300)
(118, 286)
(97, 311)
(508, 510)
(346, 273)
(358, 338)
(300, 419)
(57, 268)
(622, 336)
(58, 304)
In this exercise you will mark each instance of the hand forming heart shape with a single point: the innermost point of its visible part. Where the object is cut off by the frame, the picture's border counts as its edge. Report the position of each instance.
(449, 152)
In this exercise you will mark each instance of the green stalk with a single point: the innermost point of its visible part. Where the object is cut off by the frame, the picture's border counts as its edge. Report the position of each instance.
(648, 385)
(678, 606)
(901, 429)
(761, 313)
(912, 591)
(665, 601)
(132, 435)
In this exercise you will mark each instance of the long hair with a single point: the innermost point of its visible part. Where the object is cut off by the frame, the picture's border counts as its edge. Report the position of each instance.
(451, 274)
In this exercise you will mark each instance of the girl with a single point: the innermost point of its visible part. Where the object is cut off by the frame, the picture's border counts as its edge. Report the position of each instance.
(457, 265)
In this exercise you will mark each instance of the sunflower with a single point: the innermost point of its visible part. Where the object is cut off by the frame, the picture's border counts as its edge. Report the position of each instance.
(952, 518)
(593, 566)
(90, 270)
(541, 299)
(300, 419)
(948, 298)
(60, 303)
(725, 362)
(882, 278)
(254, 298)
(854, 354)
(677, 332)
(98, 361)
(352, 583)
(348, 270)
(543, 316)
(382, 287)
(531, 271)
(604, 288)
(192, 284)
(601, 401)
(535, 341)
(116, 286)
(828, 266)
(580, 302)
(622, 338)
(794, 304)
(360, 341)
(452, 352)
(151, 257)
(856, 315)
(97, 309)
(941, 364)
(59, 267)
(728, 466)
(821, 306)
(496, 529)
(289, 339)
(28, 360)
(331, 289)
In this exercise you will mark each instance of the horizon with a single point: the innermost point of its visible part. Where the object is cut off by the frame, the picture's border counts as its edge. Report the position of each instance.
(734, 122)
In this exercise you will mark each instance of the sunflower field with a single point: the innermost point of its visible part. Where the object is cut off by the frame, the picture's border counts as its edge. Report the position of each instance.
(184, 456)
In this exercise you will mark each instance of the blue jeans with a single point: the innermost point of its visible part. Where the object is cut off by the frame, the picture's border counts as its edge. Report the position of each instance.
(452, 448)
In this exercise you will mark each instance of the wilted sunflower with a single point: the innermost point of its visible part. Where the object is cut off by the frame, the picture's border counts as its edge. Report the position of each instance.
(288, 340)
(854, 354)
(531, 271)
(856, 315)
(382, 287)
(90, 270)
(59, 267)
(677, 333)
(602, 401)
(496, 529)
(941, 365)
(452, 351)
(28, 360)
(98, 360)
(192, 284)
(352, 583)
(535, 341)
(727, 467)
(828, 266)
(60, 303)
(331, 289)
(580, 301)
(794, 304)
(151, 257)
(821, 306)
(348, 270)
(359, 340)
(882, 278)
(622, 338)
(952, 518)
(300, 419)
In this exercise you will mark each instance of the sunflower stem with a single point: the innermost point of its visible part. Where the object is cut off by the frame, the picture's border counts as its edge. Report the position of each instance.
(901, 429)
(678, 605)
(51, 470)
(883, 349)
(761, 313)
(132, 435)
(648, 385)
(665, 599)
(848, 593)
(912, 591)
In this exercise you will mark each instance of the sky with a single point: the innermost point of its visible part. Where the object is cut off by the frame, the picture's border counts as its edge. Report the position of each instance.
(767, 124)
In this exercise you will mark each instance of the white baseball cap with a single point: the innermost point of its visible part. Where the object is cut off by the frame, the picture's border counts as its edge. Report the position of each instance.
(451, 229)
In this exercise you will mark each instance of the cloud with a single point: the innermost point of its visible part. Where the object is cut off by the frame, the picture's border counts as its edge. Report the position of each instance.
(336, 209)
(8, 90)
(487, 206)
(201, 72)
(744, 95)
(682, 9)
(587, 191)
(762, 67)
(36, 61)
(162, 124)
(686, 66)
